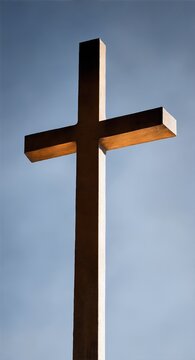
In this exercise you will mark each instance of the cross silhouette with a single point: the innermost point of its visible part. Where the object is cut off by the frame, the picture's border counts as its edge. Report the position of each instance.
(90, 138)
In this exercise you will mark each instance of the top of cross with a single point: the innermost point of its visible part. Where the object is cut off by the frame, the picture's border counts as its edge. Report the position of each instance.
(112, 133)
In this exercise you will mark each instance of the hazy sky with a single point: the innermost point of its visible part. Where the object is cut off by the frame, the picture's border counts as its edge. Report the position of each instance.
(150, 288)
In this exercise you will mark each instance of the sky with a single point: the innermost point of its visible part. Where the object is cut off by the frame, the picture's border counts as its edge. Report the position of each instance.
(150, 227)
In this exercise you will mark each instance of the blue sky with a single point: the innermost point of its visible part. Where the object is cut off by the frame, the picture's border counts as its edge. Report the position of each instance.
(150, 288)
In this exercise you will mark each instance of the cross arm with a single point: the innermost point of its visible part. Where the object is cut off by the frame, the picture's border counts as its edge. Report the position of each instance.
(49, 144)
(145, 126)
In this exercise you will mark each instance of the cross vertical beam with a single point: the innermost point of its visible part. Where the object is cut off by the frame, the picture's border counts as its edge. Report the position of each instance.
(89, 292)
(90, 138)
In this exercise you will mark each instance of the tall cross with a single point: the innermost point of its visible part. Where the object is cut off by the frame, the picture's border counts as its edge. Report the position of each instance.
(90, 138)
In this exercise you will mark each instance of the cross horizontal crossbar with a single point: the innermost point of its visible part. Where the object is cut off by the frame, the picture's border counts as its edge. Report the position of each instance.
(114, 133)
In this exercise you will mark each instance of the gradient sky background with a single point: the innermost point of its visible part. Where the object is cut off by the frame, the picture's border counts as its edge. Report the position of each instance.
(150, 293)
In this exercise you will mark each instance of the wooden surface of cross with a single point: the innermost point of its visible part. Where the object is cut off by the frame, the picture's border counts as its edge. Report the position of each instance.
(90, 138)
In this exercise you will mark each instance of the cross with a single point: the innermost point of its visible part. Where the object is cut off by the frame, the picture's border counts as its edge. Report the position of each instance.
(90, 138)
